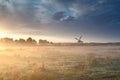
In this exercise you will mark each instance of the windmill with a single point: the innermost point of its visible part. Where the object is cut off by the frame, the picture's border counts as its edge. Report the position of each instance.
(79, 40)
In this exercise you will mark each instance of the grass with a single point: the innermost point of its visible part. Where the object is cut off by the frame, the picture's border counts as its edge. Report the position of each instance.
(60, 63)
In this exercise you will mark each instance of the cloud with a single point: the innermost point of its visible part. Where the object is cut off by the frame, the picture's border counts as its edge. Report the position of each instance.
(59, 15)
(62, 16)
(68, 18)
(55, 4)
(69, 15)
(17, 12)
(42, 14)
(77, 10)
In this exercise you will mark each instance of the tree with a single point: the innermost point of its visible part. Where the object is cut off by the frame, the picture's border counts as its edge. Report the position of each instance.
(29, 40)
(34, 41)
(43, 41)
(6, 40)
(20, 41)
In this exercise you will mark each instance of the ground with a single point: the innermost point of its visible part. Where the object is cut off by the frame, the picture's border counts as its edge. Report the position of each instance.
(60, 63)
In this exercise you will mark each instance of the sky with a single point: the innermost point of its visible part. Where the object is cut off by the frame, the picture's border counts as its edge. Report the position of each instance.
(61, 20)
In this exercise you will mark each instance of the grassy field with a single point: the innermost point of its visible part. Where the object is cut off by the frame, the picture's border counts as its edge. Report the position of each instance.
(60, 63)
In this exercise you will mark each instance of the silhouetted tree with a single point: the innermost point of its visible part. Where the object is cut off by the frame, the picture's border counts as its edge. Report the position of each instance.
(43, 41)
(6, 40)
(28, 41)
(34, 41)
(16, 41)
(20, 41)
(31, 41)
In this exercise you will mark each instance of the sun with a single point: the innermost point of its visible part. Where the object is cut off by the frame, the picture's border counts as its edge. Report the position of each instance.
(2, 35)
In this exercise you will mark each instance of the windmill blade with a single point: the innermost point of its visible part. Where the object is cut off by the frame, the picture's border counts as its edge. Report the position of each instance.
(80, 37)
(76, 38)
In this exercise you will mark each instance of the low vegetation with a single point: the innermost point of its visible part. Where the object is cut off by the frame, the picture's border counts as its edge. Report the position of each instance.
(60, 63)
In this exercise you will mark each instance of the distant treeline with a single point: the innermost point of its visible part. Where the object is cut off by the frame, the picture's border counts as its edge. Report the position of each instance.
(31, 41)
(28, 41)
(87, 44)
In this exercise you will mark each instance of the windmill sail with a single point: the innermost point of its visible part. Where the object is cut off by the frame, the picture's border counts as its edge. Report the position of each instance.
(79, 39)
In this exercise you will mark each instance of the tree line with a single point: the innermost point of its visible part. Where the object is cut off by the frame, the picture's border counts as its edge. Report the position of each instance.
(29, 40)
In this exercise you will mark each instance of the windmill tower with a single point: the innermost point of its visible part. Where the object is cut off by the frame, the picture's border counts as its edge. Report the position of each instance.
(79, 41)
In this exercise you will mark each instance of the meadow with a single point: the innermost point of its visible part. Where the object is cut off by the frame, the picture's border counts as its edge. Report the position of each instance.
(60, 63)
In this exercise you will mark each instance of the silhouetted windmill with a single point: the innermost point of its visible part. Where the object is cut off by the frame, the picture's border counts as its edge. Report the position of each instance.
(79, 40)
